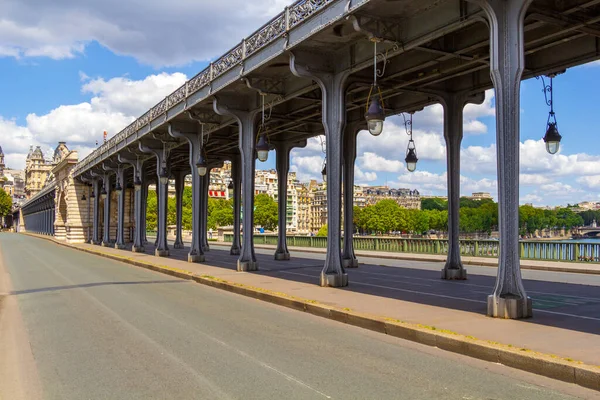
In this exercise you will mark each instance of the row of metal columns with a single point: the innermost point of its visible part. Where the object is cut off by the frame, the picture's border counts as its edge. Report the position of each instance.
(40, 222)
(508, 299)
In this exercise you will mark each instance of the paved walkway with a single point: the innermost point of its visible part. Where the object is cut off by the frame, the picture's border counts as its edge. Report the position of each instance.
(566, 318)
(556, 266)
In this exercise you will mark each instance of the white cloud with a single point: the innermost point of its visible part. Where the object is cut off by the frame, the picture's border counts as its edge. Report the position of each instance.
(363, 178)
(131, 97)
(117, 102)
(154, 31)
(374, 162)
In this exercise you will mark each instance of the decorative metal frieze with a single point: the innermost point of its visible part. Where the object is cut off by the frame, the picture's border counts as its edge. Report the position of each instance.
(199, 81)
(266, 35)
(158, 110)
(228, 61)
(144, 119)
(177, 96)
(304, 9)
(291, 17)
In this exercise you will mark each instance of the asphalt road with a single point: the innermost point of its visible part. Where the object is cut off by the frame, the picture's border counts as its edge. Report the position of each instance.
(93, 328)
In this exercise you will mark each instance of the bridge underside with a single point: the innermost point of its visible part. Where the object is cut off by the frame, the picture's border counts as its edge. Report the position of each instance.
(313, 68)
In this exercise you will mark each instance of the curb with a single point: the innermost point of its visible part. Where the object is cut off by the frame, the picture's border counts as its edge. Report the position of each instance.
(547, 365)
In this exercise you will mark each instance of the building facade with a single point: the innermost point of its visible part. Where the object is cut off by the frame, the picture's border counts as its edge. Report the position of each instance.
(37, 170)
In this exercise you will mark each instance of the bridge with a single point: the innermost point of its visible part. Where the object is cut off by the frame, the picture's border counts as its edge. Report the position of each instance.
(586, 232)
(316, 69)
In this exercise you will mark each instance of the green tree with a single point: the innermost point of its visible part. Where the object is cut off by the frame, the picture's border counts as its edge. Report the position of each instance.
(265, 211)
(434, 204)
(220, 213)
(323, 231)
(151, 208)
(5, 203)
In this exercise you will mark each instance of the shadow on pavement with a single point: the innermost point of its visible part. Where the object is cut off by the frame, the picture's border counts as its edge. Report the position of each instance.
(563, 305)
(88, 285)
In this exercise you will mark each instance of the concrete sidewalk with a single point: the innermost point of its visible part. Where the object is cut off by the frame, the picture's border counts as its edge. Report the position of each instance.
(537, 345)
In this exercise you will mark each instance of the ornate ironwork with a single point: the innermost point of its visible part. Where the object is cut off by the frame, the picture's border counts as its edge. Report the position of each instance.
(264, 36)
(304, 9)
(177, 96)
(228, 61)
(199, 81)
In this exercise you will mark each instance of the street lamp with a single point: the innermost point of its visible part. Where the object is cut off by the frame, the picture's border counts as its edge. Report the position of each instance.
(118, 188)
(137, 184)
(164, 176)
(103, 193)
(552, 137)
(411, 150)
(230, 186)
(375, 113)
(262, 147)
(411, 156)
(201, 164)
(262, 144)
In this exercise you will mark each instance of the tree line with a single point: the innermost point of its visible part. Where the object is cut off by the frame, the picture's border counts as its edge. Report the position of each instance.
(476, 216)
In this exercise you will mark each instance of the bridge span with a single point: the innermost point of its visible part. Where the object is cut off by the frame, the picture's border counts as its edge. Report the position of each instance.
(326, 67)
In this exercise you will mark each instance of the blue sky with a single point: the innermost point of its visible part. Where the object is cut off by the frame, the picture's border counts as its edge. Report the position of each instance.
(70, 81)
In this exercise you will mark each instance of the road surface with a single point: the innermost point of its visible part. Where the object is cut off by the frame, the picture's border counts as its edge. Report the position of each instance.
(78, 326)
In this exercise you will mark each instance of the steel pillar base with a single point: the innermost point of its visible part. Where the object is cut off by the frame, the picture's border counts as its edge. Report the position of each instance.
(107, 244)
(334, 280)
(196, 258)
(458, 274)
(140, 249)
(350, 262)
(245, 266)
(178, 246)
(120, 246)
(509, 307)
(282, 256)
(206, 248)
(235, 251)
(161, 253)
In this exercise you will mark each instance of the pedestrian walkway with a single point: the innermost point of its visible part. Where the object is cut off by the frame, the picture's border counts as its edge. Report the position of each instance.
(555, 266)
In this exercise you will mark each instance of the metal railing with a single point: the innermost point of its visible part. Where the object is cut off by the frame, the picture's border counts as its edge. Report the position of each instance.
(530, 250)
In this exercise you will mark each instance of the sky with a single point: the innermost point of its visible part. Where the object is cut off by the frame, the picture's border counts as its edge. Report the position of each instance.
(71, 69)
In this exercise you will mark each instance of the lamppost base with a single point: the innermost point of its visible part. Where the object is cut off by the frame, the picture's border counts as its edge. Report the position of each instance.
(161, 253)
(139, 249)
(282, 256)
(454, 274)
(196, 258)
(334, 280)
(246, 266)
(350, 262)
(509, 307)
